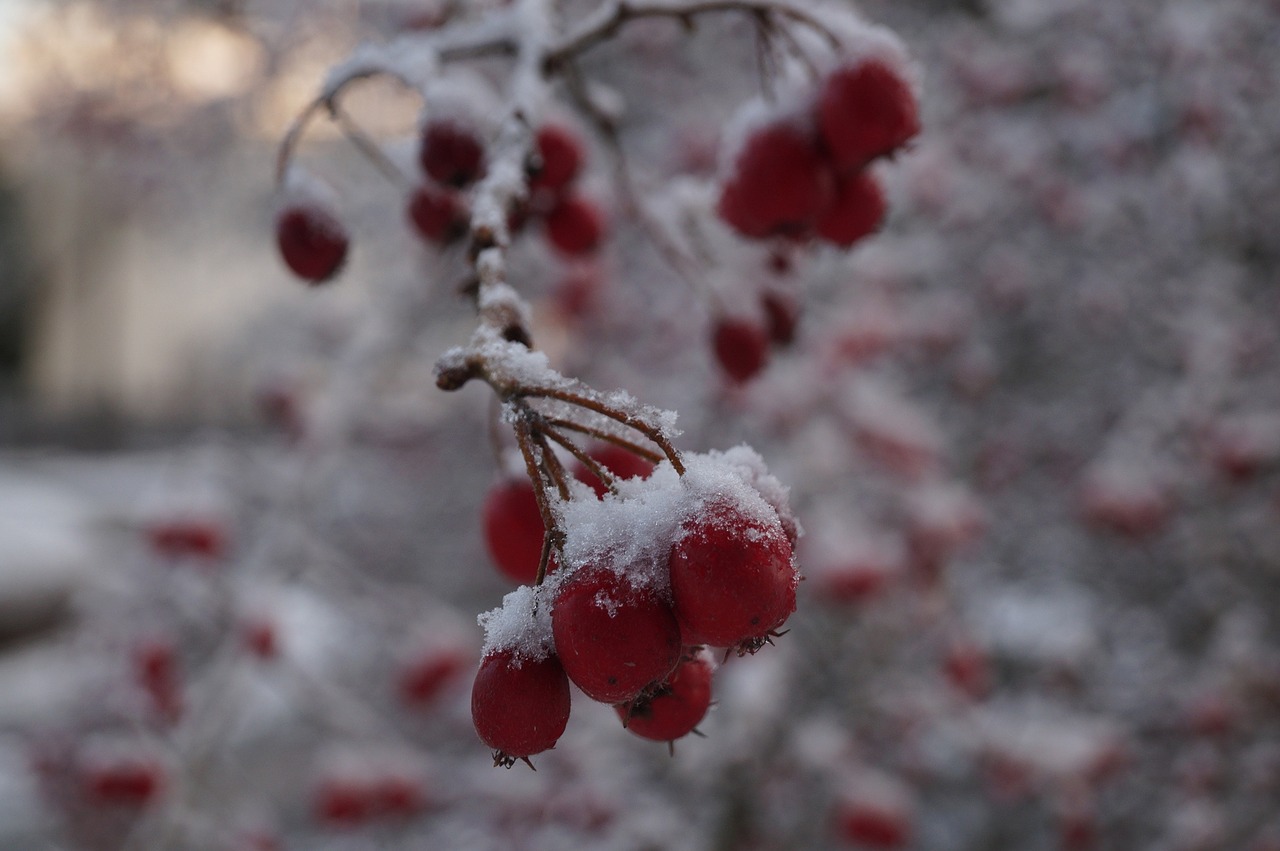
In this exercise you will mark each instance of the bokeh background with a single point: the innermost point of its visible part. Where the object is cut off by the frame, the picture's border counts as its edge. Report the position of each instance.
(1032, 430)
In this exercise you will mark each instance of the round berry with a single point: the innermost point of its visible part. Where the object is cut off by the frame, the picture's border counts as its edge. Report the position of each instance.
(741, 348)
(676, 708)
(438, 215)
(451, 153)
(519, 706)
(124, 781)
(312, 241)
(866, 110)
(778, 185)
(575, 226)
(513, 529)
(732, 581)
(855, 212)
(616, 460)
(613, 638)
(560, 151)
(426, 676)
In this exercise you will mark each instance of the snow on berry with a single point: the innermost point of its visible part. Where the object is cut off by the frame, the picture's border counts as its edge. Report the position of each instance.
(677, 707)
(613, 638)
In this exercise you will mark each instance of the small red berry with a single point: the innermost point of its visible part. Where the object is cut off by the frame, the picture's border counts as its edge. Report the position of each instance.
(560, 151)
(855, 212)
(312, 241)
(426, 676)
(438, 215)
(873, 825)
(575, 226)
(342, 801)
(181, 538)
(741, 348)
(260, 638)
(676, 708)
(124, 782)
(155, 663)
(616, 460)
(613, 638)
(520, 706)
(866, 110)
(451, 153)
(778, 186)
(513, 529)
(732, 581)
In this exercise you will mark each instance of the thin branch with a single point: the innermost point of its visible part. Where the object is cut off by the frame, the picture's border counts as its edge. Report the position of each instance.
(595, 467)
(371, 149)
(600, 434)
(630, 420)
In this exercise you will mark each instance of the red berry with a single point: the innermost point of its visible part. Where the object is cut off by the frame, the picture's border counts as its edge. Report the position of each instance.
(855, 212)
(438, 215)
(866, 110)
(732, 581)
(778, 186)
(125, 782)
(873, 826)
(520, 706)
(613, 638)
(616, 460)
(782, 314)
(259, 638)
(312, 241)
(741, 347)
(155, 664)
(425, 677)
(342, 801)
(181, 538)
(451, 153)
(676, 708)
(575, 226)
(513, 529)
(561, 153)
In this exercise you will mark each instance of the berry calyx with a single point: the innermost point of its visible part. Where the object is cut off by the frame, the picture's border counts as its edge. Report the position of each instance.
(451, 153)
(613, 638)
(855, 212)
(575, 226)
(561, 155)
(778, 185)
(513, 529)
(519, 705)
(866, 110)
(741, 348)
(675, 708)
(732, 580)
(438, 215)
(312, 241)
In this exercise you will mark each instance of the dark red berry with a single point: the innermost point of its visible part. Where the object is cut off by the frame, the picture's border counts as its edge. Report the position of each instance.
(520, 706)
(124, 782)
(560, 151)
(155, 663)
(513, 529)
(613, 638)
(616, 460)
(343, 802)
(426, 676)
(873, 825)
(182, 538)
(856, 210)
(438, 215)
(741, 347)
(312, 241)
(732, 580)
(575, 226)
(866, 110)
(676, 708)
(778, 185)
(451, 153)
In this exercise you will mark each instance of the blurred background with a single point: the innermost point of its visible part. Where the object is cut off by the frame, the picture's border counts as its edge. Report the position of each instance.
(1032, 430)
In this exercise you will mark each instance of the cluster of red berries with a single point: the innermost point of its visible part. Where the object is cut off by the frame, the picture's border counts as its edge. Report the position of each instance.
(806, 176)
(573, 223)
(627, 633)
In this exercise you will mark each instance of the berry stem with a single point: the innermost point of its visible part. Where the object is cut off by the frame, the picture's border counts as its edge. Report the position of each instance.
(597, 469)
(372, 150)
(599, 434)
